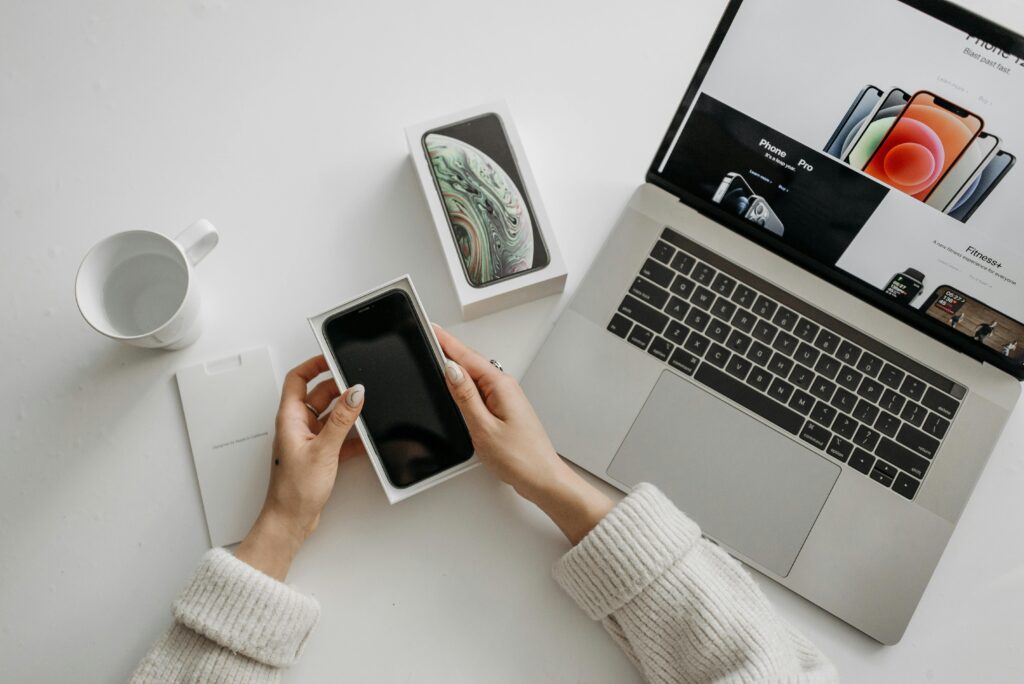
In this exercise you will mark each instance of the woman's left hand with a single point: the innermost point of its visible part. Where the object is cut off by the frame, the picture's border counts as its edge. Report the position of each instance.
(307, 450)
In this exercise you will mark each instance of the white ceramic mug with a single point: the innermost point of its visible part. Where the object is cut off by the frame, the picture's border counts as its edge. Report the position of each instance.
(137, 286)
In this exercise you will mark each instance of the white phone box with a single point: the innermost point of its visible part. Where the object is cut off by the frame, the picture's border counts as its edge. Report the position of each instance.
(404, 283)
(509, 290)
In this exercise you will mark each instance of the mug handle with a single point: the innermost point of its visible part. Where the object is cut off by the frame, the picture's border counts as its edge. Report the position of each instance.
(197, 240)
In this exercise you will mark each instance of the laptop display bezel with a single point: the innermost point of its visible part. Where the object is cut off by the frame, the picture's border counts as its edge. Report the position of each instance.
(944, 11)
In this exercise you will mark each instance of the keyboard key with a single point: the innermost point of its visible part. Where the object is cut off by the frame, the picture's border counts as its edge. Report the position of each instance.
(676, 333)
(935, 425)
(869, 364)
(913, 388)
(683, 263)
(902, 458)
(640, 337)
(806, 354)
(849, 378)
(865, 412)
(880, 477)
(785, 343)
(806, 330)
(862, 461)
(887, 424)
(697, 319)
(815, 435)
(848, 352)
(683, 361)
(682, 287)
(677, 308)
(891, 376)
(839, 448)
(940, 402)
(828, 366)
(905, 485)
(744, 296)
(765, 331)
(764, 307)
(697, 343)
(870, 389)
(646, 291)
(801, 377)
(823, 388)
(620, 325)
(738, 366)
(704, 274)
(659, 273)
(759, 353)
(780, 390)
(784, 318)
(723, 308)
(823, 413)
(744, 320)
(845, 425)
(702, 297)
(660, 348)
(717, 330)
(827, 341)
(723, 284)
(917, 441)
(738, 342)
(643, 314)
(717, 355)
(801, 402)
(780, 365)
(865, 437)
(891, 401)
(913, 413)
(886, 468)
(844, 400)
(663, 252)
(760, 378)
(746, 396)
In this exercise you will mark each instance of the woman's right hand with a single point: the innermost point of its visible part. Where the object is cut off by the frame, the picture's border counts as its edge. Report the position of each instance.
(511, 441)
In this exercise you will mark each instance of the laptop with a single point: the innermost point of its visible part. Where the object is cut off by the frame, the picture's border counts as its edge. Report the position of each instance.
(805, 326)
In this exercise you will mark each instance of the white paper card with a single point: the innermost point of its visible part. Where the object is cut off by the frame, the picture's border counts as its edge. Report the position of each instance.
(229, 406)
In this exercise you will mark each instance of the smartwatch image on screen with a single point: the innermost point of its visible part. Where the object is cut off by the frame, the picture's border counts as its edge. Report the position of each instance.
(903, 287)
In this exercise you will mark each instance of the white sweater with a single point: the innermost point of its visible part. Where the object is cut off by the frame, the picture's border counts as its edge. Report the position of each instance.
(680, 607)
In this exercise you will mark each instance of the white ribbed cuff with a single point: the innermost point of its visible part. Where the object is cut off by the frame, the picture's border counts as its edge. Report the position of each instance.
(632, 546)
(240, 608)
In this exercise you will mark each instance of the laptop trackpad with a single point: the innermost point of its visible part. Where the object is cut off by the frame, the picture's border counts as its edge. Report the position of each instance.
(745, 484)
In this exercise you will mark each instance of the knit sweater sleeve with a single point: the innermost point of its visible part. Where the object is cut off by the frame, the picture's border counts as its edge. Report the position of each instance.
(232, 623)
(681, 608)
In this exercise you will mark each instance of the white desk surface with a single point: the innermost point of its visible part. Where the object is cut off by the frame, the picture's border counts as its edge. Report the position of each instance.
(282, 123)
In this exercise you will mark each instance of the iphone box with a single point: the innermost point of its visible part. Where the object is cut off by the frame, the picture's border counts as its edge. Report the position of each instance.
(377, 349)
(487, 209)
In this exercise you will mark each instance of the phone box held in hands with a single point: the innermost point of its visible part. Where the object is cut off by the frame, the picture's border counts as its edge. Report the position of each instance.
(486, 208)
(411, 427)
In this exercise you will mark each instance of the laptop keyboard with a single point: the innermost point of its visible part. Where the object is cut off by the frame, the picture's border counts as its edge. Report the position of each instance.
(836, 389)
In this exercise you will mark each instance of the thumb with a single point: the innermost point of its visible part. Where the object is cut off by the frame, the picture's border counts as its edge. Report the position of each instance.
(466, 396)
(342, 418)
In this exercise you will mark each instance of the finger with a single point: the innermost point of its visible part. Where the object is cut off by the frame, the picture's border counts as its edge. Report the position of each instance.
(479, 368)
(342, 418)
(295, 382)
(322, 395)
(467, 397)
(352, 447)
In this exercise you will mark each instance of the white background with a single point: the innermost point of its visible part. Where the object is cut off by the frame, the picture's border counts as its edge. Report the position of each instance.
(282, 123)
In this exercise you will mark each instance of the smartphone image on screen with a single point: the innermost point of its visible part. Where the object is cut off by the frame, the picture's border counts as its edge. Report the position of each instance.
(854, 118)
(489, 213)
(864, 140)
(926, 140)
(978, 191)
(978, 321)
(966, 170)
(412, 421)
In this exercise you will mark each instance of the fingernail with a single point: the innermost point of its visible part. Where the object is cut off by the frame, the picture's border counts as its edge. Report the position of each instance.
(355, 395)
(454, 373)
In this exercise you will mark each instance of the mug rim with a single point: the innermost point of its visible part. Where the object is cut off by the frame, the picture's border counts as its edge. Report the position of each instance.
(122, 234)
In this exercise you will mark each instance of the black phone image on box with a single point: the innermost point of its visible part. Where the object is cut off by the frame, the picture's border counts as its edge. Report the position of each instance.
(485, 201)
(412, 421)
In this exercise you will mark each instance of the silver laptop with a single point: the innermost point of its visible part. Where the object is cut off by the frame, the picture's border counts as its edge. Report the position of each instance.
(805, 327)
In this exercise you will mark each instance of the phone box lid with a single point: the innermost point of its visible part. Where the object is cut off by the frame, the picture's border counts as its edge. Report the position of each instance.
(505, 292)
(404, 284)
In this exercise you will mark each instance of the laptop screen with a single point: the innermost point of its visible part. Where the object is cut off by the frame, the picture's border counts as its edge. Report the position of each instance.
(875, 143)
